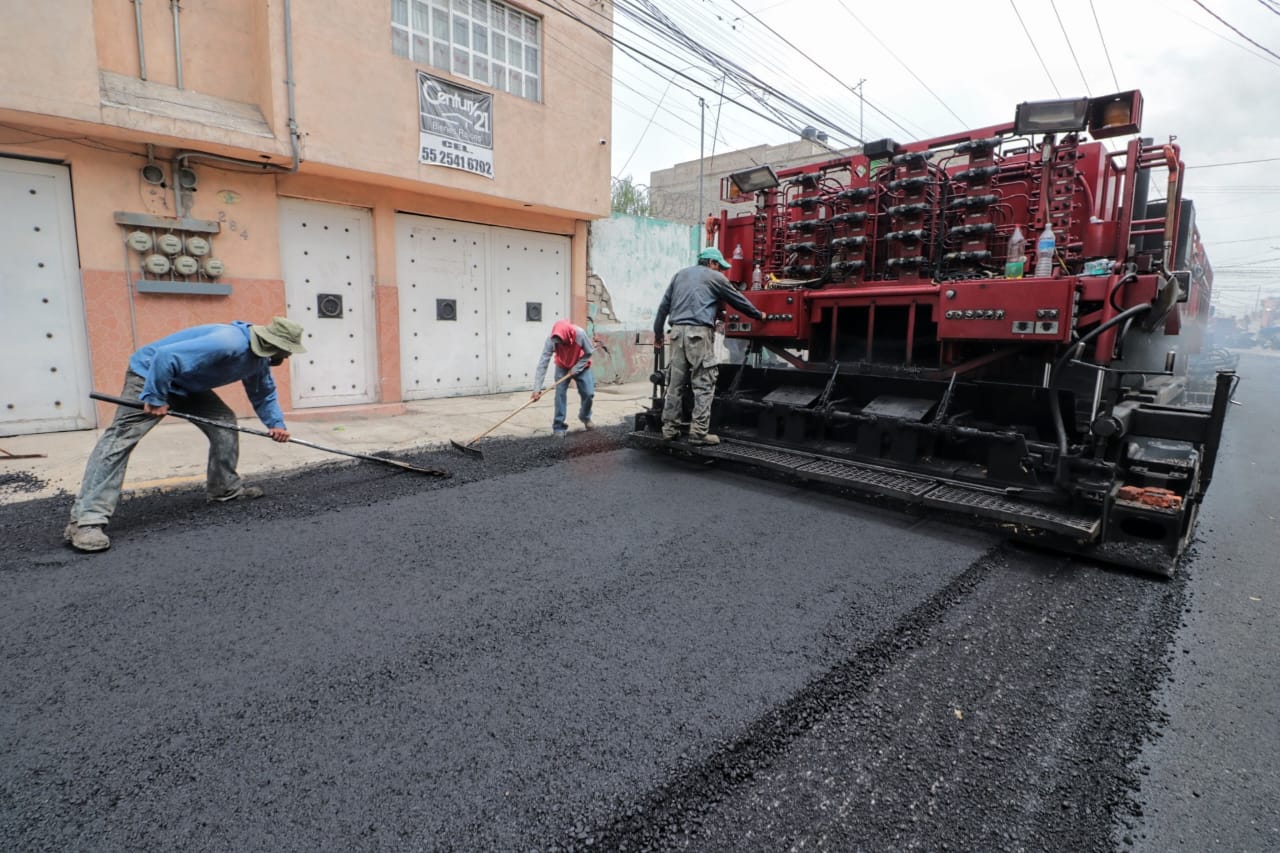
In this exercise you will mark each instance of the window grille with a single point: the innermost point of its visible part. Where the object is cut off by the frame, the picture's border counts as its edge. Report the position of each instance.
(481, 40)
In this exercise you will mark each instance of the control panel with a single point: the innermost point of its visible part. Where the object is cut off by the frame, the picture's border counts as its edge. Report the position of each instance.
(1007, 309)
(783, 316)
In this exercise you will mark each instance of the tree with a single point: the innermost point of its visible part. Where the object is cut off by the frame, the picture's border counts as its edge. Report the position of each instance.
(626, 196)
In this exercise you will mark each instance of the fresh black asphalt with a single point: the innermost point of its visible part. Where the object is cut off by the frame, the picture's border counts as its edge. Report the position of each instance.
(580, 646)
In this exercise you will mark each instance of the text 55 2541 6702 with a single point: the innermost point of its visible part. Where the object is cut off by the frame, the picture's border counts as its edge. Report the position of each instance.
(455, 160)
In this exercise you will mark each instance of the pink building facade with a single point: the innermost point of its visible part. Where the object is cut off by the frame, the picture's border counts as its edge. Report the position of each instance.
(410, 179)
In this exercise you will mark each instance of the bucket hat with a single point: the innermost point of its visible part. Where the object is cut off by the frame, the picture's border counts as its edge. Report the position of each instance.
(283, 334)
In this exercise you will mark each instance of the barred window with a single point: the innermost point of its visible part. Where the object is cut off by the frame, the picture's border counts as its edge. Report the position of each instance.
(481, 40)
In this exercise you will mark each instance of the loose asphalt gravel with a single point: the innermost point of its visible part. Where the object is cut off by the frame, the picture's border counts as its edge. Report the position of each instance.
(576, 645)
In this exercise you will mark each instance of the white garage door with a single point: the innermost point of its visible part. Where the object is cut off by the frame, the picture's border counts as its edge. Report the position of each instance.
(326, 251)
(44, 361)
(530, 292)
(476, 304)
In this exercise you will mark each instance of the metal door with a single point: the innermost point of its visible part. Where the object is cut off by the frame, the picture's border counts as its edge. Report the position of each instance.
(44, 356)
(442, 274)
(530, 291)
(326, 253)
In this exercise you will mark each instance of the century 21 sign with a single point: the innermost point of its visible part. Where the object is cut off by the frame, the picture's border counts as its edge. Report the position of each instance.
(455, 126)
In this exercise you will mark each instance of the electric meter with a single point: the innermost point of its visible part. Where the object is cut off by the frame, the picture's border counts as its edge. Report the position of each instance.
(156, 264)
(139, 241)
(170, 244)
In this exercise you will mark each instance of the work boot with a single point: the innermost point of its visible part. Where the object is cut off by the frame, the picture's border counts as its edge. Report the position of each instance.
(91, 537)
(705, 439)
(670, 434)
(588, 425)
(248, 493)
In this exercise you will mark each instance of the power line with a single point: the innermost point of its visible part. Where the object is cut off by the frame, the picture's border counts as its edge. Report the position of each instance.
(1235, 163)
(823, 68)
(646, 130)
(652, 19)
(1219, 35)
(1234, 30)
(1054, 5)
(1240, 266)
(1246, 240)
(635, 53)
(86, 141)
(872, 33)
(647, 14)
(1036, 49)
(750, 42)
(1103, 39)
(588, 82)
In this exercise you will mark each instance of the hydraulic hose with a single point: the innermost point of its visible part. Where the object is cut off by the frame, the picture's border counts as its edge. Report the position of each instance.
(1124, 279)
(1111, 300)
(1055, 408)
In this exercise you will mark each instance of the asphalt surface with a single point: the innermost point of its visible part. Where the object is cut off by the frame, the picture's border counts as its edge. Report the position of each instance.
(575, 645)
(1211, 781)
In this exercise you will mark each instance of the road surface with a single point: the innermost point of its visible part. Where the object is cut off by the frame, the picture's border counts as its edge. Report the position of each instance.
(580, 646)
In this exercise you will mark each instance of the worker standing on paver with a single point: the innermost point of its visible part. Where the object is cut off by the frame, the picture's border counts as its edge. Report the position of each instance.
(572, 350)
(180, 372)
(691, 302)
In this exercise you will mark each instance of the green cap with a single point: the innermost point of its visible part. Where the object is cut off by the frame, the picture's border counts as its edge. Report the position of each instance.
(283, 334)
(711, 253)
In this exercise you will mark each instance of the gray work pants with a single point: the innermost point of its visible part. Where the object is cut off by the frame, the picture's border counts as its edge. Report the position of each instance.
(104, 474)
(691, 355)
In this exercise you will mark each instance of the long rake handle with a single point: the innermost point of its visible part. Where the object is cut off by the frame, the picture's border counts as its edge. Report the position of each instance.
(524, 406)
(137, 404)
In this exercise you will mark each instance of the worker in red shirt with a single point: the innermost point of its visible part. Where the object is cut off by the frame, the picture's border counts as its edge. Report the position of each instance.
(572, 350)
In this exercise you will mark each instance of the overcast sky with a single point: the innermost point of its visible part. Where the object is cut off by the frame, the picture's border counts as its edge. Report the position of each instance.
(934, 67)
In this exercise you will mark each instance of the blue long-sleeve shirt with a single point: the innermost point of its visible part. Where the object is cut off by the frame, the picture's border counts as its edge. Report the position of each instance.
(693, 298)
(202, 358)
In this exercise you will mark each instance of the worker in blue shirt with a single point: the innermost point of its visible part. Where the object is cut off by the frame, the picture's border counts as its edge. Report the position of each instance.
(179, 373)
(691, 303)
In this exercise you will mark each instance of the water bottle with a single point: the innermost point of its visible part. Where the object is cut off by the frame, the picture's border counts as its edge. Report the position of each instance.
(1016, 261)
(1044, 252)
(757, 277)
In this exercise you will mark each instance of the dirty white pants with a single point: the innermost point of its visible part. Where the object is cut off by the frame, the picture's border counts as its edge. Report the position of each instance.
(691, 355)
(104, 473)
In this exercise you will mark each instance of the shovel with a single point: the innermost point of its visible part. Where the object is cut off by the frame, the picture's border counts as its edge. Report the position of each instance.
(470, 450)
(137, 404)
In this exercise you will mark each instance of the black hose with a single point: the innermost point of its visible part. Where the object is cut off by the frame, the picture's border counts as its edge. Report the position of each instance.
(1124, 279)
(1118, 350)
(1055, 408)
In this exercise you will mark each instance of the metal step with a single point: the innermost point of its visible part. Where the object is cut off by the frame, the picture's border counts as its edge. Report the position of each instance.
(959, 499)
(914, 489)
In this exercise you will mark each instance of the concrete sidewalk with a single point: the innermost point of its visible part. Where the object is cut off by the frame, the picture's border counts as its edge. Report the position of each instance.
(173, 454)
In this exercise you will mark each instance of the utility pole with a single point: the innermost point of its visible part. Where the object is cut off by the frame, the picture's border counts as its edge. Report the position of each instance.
(859, 88)
(702, 145)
